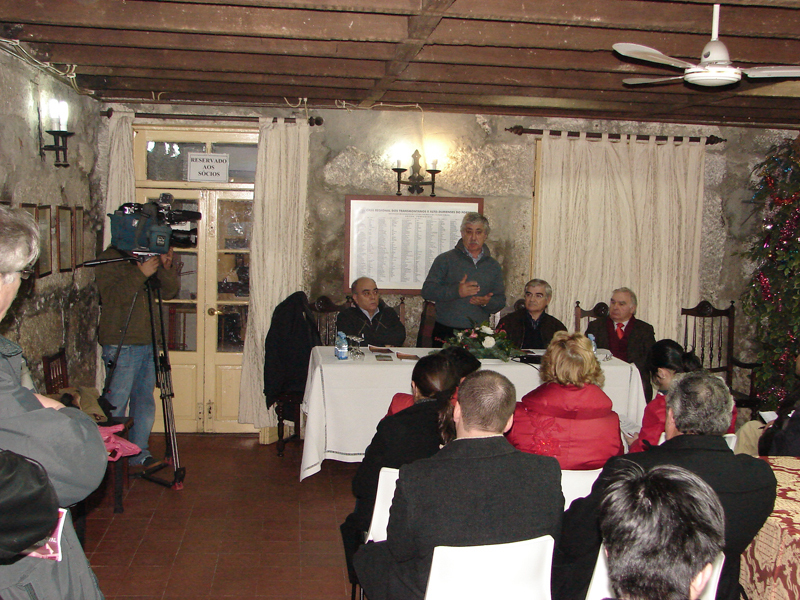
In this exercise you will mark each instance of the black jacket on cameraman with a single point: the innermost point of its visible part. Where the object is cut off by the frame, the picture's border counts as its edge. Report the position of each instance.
(287, 348)
(385, 329)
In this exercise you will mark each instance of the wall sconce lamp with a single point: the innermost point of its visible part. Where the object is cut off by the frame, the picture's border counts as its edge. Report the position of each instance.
(415, 181)
(59, 112)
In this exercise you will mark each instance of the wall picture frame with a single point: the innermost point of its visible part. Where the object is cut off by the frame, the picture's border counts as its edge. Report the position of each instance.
(65, 248)
(79, 237)
(44, 215)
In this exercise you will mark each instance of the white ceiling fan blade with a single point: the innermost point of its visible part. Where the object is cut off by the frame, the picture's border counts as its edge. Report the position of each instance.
(640, 80)
(651, 55)
(778, 71)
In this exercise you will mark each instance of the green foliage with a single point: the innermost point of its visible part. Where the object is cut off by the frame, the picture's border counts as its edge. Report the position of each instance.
(483, 342)
(773, 299)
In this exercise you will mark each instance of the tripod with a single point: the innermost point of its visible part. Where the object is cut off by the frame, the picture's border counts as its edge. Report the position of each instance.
(163, 371)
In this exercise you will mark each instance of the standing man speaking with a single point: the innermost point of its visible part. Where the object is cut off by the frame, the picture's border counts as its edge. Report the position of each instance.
(466, 283)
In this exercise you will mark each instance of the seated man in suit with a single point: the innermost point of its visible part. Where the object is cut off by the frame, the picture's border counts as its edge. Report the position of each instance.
(627, 337)
(370, 318)
(476, 490)
(662, 530)
(698, 414)
(531, 326)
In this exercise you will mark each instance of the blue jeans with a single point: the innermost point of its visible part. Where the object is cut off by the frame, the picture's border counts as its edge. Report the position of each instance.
(134, 379)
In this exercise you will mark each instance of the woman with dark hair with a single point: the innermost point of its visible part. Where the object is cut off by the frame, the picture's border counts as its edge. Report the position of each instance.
(568, 417)
(400, 439)
(666, 359)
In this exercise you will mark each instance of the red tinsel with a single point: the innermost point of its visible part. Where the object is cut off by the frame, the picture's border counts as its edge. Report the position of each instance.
(766, 288)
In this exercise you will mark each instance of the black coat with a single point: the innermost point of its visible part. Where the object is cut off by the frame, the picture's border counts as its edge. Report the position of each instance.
(745, 486)
(385, 329)
(472, 492)
(287, 348)
(641, 338)
(514, 326)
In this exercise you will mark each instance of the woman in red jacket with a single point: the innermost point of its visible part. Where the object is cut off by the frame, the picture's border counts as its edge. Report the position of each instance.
(665, 360)
(568, 417)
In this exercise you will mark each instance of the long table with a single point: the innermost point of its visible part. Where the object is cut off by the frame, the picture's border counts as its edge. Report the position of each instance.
(345, 399)
(771, 563)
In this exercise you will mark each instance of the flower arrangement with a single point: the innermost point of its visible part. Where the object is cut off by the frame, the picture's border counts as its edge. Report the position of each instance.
(484, 342)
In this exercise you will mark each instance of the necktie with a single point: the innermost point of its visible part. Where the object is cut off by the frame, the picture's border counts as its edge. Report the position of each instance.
(620, 330)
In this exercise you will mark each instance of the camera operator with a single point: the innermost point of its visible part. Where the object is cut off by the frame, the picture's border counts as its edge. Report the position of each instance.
(134, 376)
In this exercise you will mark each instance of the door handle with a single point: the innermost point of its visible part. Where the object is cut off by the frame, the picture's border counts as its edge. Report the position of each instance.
(213, 312)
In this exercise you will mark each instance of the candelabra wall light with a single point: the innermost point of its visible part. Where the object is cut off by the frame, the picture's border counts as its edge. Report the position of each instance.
(415, 181)
(59, 112)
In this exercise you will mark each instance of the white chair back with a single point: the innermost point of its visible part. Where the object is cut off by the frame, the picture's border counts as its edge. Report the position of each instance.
(514, 571)
(387, 481)
(730, 439)
(600, 587)
(577, 484)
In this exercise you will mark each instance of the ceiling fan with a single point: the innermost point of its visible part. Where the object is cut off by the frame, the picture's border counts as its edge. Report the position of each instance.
(715, 66)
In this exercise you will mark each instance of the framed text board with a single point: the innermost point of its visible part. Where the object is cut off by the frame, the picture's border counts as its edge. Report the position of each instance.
(394, 240)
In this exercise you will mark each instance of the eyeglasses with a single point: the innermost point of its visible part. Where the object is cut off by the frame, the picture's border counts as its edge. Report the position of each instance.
(26, 273)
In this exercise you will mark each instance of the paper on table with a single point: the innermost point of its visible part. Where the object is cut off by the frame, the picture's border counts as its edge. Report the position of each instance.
(378, 350)
(405, 356)
(768, 415)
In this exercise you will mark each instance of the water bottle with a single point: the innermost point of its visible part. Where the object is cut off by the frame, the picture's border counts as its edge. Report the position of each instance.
(340, 348)
(594, 344)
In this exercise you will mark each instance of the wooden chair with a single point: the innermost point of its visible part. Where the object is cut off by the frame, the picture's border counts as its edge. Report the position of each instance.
(56, 378)
(709, 332)
(427, 320)
(600, 310)
(325, 312)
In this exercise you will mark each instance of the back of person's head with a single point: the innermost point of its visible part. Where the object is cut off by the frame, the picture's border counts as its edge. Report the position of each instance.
(487, 401)
(669, 354)
(462, 360)
(569, 360)
(19, 241)
(701, 403)
(660, 528)
(435, 377)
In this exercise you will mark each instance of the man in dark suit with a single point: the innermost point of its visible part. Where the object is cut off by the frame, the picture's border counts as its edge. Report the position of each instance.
(477, 490)
(531, 326)
(627, 337)
(698, 414)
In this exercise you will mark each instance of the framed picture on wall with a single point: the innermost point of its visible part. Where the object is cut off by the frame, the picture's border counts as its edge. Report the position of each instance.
(44, 219)
(77, 227)
(65, 237)
(30, 209)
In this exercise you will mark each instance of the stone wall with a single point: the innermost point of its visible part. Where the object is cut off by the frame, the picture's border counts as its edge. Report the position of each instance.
(60, 309)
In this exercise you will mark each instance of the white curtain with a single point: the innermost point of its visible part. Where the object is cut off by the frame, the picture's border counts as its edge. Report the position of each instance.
(276, 249)
(614, 214)
(121, 177)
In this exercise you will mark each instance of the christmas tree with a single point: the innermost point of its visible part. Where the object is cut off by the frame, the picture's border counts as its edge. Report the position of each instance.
(773, 298)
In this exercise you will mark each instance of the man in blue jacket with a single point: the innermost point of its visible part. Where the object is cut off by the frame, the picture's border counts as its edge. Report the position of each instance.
(466, 283)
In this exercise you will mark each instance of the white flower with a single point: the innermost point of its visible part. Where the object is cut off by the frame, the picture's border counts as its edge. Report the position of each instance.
(459, 335)
(488, 342)
(488, 331)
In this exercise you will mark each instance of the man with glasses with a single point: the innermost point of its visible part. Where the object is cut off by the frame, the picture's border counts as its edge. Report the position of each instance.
(371, 318)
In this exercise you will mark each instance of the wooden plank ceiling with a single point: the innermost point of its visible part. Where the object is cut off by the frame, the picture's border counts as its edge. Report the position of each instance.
(524, 57)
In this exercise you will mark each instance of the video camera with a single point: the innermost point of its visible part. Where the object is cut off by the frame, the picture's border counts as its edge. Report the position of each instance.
(144, 229)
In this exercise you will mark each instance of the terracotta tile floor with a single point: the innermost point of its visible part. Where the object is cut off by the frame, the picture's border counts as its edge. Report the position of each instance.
(243, 526)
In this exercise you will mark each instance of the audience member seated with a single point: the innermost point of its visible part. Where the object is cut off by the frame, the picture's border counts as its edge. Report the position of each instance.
(568, 417)
(461, 359)
(662, 530)
(371, 318)
(780, 437)
(698, 414)
(531, 326)
(666, 359)
(477, 490)
(400, 439)
(63, 440)
(627, 337)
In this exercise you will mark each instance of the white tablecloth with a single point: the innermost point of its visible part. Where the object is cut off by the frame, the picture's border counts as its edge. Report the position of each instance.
(345, 399)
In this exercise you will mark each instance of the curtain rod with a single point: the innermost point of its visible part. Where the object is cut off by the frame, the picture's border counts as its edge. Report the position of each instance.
(110, 111)
(519, 130)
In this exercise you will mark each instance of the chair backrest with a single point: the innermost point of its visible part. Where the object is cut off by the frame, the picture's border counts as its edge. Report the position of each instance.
(514, 570)
(55, 372)
(325, 312)
(387, 481)
(600, 587)
(427, 319)
(709, 332)
(599, 310)
(577, 484)
(730, 439)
